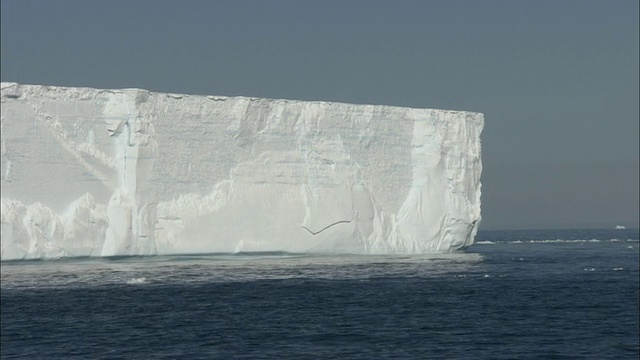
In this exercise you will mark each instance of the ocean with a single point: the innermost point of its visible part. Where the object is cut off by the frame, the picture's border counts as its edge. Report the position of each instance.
(535, 294)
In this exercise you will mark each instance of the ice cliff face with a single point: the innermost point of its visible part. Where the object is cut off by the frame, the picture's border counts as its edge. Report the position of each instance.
(89, 172)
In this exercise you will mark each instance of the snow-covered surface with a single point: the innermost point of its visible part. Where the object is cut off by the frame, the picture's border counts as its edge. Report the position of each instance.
(89, 172)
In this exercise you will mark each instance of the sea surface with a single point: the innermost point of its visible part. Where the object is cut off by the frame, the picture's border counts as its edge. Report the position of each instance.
(552, 294)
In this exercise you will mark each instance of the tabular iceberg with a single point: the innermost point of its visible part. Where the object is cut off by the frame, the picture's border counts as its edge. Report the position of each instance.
(88, 172)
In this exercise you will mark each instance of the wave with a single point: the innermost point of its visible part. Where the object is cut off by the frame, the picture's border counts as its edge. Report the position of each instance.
(164, 257)
(140, 280)
(102, 274)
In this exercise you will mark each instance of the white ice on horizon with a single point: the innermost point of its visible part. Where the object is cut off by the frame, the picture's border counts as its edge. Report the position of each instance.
(89, 172)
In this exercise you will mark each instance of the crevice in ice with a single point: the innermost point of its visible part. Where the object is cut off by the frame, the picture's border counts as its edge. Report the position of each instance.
(326, 227)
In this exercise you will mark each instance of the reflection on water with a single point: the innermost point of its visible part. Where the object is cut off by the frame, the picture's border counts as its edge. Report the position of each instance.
(161, 270)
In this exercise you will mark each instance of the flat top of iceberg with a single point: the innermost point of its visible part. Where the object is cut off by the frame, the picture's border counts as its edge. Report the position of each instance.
(31, 89)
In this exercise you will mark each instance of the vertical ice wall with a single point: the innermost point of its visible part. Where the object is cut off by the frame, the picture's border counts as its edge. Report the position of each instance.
(89, 172)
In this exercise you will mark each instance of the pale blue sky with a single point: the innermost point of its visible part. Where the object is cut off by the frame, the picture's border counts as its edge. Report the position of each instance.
(557, 80)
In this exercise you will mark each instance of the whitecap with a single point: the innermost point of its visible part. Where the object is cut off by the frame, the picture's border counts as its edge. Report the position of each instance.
(139, 280)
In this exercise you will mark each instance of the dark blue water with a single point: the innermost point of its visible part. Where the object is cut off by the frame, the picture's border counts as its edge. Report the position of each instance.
(514, 295)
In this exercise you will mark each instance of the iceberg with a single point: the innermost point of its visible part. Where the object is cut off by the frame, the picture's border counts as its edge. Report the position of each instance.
(90, 172)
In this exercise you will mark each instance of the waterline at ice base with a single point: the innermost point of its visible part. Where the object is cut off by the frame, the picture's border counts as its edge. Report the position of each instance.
(90, 172)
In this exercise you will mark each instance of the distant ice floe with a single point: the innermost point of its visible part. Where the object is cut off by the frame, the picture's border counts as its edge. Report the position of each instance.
(485, 242)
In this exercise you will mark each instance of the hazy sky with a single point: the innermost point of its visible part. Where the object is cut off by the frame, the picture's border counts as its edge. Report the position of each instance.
(556, 80)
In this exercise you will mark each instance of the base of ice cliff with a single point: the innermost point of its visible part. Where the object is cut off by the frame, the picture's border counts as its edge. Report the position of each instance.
(89, 172)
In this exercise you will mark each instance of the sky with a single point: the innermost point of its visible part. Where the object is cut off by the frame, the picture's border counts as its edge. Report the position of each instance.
(557, 81)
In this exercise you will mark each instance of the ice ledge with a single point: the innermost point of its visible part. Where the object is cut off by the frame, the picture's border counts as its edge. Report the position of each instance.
(36, 89)
(89, 172)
